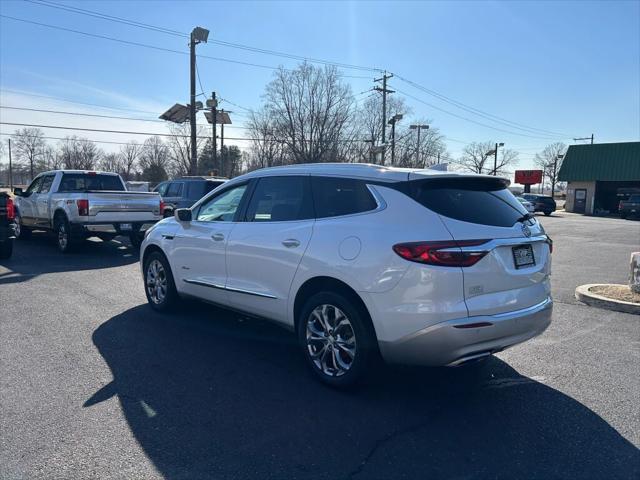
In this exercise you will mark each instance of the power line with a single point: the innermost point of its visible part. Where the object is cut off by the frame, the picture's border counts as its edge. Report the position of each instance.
(171, 135)
(438, 95)
(471, 120)
(155, 28)
(82, 114)
(479, 112)
(61, 99)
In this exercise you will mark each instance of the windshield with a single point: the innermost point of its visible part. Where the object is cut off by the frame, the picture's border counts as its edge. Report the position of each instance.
(81, 182)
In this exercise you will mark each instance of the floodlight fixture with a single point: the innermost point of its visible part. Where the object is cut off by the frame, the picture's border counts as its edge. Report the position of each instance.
(199, 35)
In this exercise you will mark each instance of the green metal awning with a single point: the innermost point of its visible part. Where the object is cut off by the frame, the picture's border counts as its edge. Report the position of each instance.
(601, 161)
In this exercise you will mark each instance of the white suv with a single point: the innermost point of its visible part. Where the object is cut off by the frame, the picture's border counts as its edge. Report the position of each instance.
(424, 267)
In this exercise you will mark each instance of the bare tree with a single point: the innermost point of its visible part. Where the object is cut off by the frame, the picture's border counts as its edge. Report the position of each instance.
(154, 159)
(550, 161)
(79, 153)
(368, 119)
(479, 157)
(266, 149)
(411, 154)
(310, 108)
(129, 155)
(111, 162)
(474, 157)
(29, 144)
(180, 147)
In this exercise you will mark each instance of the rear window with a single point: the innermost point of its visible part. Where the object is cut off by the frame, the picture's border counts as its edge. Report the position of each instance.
(485, 201)
(80, 182)
(334, 197)
(634, 198)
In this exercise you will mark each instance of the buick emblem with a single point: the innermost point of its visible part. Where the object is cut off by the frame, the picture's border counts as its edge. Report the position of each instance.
(526, 231)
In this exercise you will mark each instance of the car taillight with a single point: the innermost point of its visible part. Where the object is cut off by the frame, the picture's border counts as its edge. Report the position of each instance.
(83, 207)
(11, 209)
(620, 205)
(161, 207)
(443, 254)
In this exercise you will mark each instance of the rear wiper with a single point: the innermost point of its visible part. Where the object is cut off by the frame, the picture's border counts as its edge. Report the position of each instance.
(525, 217)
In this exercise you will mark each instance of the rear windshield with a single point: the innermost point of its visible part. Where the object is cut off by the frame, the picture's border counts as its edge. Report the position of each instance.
(482, 201)
(80, 182)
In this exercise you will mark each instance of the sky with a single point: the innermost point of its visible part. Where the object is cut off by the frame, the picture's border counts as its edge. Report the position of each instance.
(558, 70)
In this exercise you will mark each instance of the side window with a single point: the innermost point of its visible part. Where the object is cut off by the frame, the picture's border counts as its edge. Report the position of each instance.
(280, 199)
(175, 189)
(334, 197)
(45, 186)
(223, 207)
(162, 189)
(35, 185)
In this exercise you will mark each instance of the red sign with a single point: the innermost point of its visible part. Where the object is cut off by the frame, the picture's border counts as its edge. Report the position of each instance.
(528, 177)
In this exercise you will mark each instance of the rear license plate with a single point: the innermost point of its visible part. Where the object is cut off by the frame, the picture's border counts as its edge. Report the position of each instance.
(125, 227)
(523, 256)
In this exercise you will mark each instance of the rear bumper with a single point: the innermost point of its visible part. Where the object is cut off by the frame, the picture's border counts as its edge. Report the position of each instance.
(112, 228)
(453, 342)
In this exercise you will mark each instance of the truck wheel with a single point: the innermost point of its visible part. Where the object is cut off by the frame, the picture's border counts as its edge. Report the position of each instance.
(6, 249)
(64, 240)
(547, 213)
(136, 240)
(21, 231)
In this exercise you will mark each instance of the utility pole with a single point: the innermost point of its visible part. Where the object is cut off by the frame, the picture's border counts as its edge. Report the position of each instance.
(192, 106)
(222, 155)
(418, 127)
(10, 168)
(584, 138)
(384, 91)
(214, 133)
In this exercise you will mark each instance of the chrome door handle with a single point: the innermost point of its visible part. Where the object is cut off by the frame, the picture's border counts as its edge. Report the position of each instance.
(291, 243)
(218, 237)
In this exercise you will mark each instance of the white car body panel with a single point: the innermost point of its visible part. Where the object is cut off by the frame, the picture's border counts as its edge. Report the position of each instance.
(411, 305)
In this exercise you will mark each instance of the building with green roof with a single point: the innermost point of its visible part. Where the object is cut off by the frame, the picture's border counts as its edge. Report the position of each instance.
(598, 176)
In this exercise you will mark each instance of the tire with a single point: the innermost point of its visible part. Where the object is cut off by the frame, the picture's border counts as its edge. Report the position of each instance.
(156, 273)
(22, 232)
(6, 249)
(64, 240)
(339, 357)
(547, 213)
(136, 240)
(623, 215)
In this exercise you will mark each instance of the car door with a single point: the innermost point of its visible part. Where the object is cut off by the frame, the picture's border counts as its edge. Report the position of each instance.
(264, 250)
(27, 203)
(174, 194)
(198, 254)
(41, 201)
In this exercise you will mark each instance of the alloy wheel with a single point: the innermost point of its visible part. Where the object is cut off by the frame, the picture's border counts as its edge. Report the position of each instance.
(331, 340)
(156, 282)
(63, 236)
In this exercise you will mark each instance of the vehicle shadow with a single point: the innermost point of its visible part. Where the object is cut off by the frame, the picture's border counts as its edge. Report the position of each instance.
(38, 255)
(208, 394)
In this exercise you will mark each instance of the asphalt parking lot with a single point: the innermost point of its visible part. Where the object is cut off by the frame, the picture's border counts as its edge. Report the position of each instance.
(93, 384)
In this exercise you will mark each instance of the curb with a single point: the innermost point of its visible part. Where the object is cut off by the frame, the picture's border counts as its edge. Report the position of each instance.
(585, 296)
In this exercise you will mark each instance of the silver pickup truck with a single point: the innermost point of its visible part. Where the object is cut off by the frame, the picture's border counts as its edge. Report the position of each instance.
(76, 204)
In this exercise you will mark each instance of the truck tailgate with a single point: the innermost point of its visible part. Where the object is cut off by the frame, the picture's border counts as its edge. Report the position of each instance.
(123, 206)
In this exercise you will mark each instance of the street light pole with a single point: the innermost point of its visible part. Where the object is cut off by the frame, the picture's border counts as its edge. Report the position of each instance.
(555, 167)
(393, 122)
(198, 35)
(495, 159)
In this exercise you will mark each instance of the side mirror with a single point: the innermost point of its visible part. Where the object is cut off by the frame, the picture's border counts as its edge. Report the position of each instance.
(17, 191)
(183, 214)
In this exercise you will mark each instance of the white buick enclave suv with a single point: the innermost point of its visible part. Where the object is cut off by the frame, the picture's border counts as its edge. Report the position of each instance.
(424, 267)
